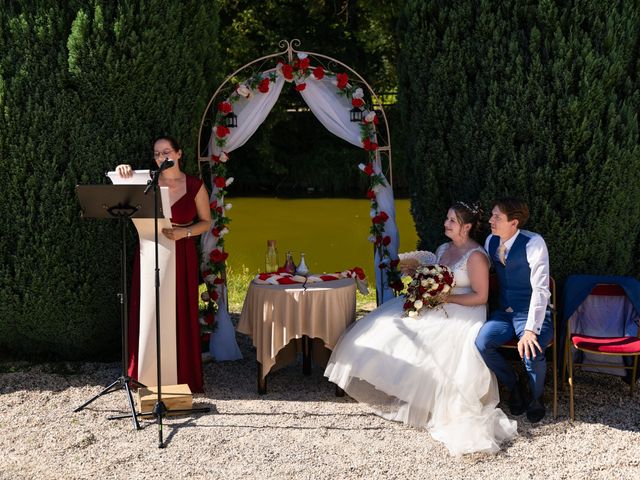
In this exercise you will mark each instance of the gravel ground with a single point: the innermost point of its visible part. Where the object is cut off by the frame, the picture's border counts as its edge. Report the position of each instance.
(299, 429)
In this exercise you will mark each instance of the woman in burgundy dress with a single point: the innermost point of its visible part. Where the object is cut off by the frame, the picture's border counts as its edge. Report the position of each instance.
(190, 217)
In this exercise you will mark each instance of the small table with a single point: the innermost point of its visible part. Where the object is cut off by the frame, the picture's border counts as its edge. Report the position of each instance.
(280, 317)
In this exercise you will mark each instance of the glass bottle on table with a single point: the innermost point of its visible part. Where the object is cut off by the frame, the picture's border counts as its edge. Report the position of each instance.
(271, 257)
(302, 268)
(289, 265)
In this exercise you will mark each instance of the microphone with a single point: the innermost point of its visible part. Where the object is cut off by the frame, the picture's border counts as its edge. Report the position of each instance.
(168, 163)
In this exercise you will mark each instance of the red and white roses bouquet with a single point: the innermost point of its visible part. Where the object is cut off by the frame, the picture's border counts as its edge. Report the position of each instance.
(429, 288)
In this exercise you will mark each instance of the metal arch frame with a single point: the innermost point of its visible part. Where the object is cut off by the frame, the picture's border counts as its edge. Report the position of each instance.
(289, 51)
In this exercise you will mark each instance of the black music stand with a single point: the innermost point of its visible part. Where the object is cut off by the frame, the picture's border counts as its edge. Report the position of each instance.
(121, 202)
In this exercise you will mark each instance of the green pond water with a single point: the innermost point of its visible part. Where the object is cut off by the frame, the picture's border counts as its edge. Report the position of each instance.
(331, 232)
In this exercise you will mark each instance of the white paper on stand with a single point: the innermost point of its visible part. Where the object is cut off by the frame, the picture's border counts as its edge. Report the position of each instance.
(147, 367)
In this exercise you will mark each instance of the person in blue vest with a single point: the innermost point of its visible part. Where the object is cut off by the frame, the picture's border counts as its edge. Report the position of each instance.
(521, 262)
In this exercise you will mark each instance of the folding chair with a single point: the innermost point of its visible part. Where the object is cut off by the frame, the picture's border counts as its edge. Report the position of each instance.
(513, 343)
(625, 346)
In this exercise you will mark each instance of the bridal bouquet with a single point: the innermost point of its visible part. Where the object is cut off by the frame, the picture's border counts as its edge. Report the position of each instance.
(429, 288)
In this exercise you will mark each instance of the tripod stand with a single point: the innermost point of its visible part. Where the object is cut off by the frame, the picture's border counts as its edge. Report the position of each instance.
(89, 196)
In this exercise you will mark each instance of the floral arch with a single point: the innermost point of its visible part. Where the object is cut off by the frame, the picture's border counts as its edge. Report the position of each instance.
(344, 103)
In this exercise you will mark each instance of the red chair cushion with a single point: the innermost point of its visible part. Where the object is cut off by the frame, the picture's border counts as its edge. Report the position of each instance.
(621, 345)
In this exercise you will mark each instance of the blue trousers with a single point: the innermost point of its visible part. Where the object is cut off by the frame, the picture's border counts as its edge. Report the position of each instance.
(501, 327)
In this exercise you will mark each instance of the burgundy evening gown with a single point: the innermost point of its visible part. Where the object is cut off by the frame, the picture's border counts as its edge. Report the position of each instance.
(183, 212)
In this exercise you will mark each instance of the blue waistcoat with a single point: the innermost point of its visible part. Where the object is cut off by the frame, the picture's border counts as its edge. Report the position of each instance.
(514, 279)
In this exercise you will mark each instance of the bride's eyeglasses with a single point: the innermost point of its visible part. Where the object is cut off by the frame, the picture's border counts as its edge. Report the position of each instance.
(163, 153)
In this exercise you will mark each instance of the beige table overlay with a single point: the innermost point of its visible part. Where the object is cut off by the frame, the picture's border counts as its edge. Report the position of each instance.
(274, 315)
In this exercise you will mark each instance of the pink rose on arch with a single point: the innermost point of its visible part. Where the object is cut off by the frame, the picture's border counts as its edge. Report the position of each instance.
(318, 73)
(371, 117)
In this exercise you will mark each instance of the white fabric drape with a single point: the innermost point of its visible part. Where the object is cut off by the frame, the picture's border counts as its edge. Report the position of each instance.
(251, 113)
(384, 197)
(333, 111)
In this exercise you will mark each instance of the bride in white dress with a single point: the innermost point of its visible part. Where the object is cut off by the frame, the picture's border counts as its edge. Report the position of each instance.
(426, 371)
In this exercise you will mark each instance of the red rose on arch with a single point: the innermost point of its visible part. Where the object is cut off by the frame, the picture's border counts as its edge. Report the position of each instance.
(225, 107)
(377, 220)
(357, 102)
(342, 79)
(384, 216)
(304, 63)
(218, 256)
(220, 182)
(287, 71)
(222, 131)
(397, 285)
(368, 169)
(213, 205)
(214, 295)
(369, 145)
(386, 240)
(263, 86)
(218, 281)
(318, 73)
(394, 263)
(371, 194)
(301, 86)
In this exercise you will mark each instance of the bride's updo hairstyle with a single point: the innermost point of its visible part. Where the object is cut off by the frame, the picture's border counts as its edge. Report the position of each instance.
(470, 213)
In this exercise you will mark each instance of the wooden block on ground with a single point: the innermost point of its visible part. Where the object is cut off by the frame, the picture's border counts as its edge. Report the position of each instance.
(174, 397)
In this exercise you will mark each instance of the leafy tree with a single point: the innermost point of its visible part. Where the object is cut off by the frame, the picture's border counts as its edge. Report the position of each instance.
(84, 85)
(358, 33)
(534, 99)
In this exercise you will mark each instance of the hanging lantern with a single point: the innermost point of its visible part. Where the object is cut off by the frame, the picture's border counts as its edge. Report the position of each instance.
(231, 120)
(355, 114)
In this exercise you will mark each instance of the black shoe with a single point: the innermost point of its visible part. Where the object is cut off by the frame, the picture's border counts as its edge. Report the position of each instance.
(536, 411)
(517, 400)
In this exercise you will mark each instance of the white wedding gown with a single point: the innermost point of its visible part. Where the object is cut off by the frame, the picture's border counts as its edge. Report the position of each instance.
(425, 372)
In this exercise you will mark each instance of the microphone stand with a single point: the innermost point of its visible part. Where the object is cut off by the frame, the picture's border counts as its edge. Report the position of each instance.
(160, 409)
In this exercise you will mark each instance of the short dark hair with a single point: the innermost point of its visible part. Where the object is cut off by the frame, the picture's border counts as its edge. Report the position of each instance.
(514, 209)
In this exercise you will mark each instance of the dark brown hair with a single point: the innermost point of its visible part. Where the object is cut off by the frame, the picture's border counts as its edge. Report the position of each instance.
(469, 213)
(172, 141)
(514, 209)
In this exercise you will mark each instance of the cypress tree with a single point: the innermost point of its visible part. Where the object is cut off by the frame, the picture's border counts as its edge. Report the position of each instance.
(534, 99)
(84, 86)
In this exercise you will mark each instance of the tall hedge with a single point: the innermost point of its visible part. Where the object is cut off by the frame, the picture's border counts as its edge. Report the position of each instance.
(537, 99)
(84, 85)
